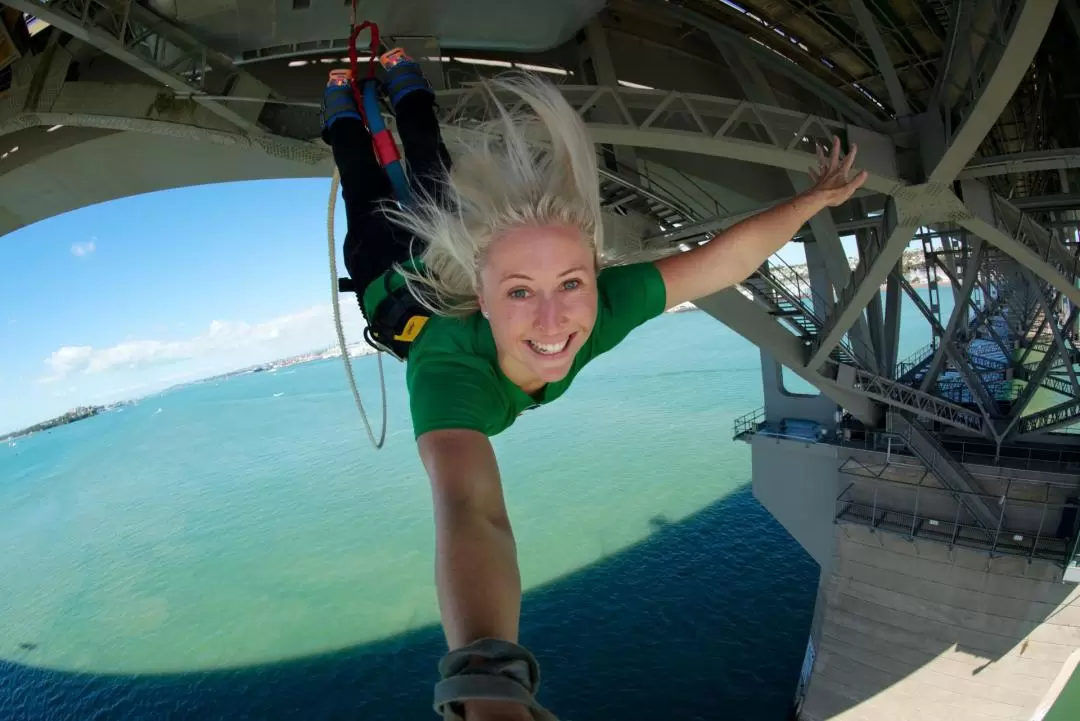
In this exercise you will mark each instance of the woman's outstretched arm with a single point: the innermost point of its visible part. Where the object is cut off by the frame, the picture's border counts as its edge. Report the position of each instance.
(476, 569)
(731, 256)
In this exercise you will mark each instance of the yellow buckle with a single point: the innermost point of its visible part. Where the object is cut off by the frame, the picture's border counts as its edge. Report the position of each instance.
(412, 328)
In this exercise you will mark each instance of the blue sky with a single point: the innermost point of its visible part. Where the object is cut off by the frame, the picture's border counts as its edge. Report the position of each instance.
(121, 299)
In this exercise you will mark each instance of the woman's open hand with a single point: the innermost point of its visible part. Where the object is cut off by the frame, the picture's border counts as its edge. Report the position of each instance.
(831, 176)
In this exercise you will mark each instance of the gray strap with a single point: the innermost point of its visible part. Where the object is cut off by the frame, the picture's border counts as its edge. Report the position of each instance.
(489, 669)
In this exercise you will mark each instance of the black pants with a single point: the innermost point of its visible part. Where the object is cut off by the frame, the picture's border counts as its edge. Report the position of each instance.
(373, 243)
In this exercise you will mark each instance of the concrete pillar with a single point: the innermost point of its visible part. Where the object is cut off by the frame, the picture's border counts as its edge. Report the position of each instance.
(797, 483)
(915, 630)
(907, 625)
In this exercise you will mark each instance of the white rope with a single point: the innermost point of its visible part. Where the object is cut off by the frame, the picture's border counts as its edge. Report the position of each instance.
(341, 331)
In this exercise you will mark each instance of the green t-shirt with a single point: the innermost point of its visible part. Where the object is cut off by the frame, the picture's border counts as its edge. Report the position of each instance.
(453, 371)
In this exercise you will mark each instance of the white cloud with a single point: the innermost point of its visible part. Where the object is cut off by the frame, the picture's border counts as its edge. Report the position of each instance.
(68, 359)
(84, 249)
(285, 335)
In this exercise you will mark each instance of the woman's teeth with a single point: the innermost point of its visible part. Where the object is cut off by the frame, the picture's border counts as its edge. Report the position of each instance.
(548, 348)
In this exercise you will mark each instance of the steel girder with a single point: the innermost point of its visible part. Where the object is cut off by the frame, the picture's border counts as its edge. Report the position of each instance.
(137, 36)
(1028, 162)
(995, 77)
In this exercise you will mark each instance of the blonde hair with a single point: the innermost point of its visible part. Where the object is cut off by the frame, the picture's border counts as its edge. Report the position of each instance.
(499, 180)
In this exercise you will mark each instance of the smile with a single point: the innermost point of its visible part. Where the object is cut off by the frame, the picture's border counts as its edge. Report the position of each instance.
(550, 350)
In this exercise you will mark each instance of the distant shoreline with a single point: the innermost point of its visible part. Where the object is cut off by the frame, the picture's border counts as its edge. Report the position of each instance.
(355, 350)
(73, 416)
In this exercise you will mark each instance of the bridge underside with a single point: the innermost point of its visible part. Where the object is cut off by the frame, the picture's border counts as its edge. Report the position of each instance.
(703, 112)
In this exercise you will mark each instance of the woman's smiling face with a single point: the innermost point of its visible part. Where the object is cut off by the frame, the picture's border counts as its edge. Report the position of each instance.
(538, 290)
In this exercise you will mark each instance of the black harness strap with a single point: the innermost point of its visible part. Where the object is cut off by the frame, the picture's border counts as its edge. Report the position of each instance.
(397, 321)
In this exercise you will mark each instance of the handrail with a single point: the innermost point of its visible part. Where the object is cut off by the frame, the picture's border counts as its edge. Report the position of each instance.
(717, 207)
(851, 465)
(805, 289)
(915, 524)
(994, 363)
(1015, 456)
(748, 422)
(910, 363)
(927, 447)
(646, 193)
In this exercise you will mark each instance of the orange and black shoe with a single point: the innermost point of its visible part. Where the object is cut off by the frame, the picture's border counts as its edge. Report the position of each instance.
(403, 76)
(338, 100)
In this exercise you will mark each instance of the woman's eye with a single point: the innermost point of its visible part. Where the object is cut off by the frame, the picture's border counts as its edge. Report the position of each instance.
(572, 284)
(519, 293)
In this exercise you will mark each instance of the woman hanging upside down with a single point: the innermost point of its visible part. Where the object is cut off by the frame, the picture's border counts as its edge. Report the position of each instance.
(489, 284)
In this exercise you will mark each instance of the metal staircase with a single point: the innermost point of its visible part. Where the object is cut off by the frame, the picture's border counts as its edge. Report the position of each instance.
(926, 447)
(912, 369)
(788, 297)
(868, 256)
(777, 286)
(623, 196)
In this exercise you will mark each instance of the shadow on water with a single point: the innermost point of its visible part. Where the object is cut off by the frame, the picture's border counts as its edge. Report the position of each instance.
(706, 618)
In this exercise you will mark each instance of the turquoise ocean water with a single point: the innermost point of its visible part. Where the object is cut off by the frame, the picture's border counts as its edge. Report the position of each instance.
(237, 550)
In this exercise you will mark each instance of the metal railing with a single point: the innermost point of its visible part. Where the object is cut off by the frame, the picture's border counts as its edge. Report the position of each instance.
(981, 360)
(780, 275)
(926, 446)
(957, 391)
(807, 299)
(1063, 414)
(897, 394)
(914, 361)
(1048, 459)
(954, 529)
(717, 208)
(980, 68)
(1023, 229)
(748, 423)
(662, 189)
(1058, 385)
